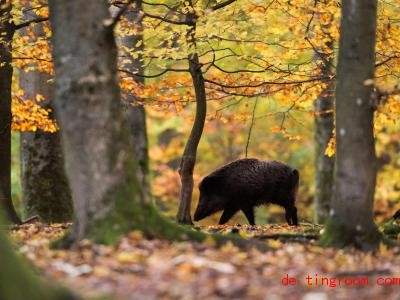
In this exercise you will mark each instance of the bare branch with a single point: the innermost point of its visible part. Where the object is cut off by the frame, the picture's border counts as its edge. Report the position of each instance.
(164, 19)
(152, 76)
(267, 83)
(238, 71)
(31, 58)
(163, 5)
(27, 23)
(385, 61)
(222, 4)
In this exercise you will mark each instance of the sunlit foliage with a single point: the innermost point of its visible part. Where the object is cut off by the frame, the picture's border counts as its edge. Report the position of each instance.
(262, 61)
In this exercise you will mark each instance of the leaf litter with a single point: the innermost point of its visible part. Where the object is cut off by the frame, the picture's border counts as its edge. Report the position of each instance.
(139, 268)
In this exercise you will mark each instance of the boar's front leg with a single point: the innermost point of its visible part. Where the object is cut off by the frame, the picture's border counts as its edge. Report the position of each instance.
(227, 214)
(291, 215)
(249, 213)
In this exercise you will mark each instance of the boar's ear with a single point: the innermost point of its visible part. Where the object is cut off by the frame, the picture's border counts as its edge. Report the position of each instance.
(210, 183)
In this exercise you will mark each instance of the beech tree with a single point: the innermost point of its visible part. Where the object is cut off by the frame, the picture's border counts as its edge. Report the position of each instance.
(324, 165)
(189, 154)
(324, 125)
(6, 71)
(45, 189)
(100, 164)
(351, 219)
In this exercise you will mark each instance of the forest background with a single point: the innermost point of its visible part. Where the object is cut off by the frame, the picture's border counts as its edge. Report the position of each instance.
(265, 66)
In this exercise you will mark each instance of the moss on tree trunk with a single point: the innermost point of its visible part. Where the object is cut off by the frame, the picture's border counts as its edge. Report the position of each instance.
(339, 235)
(17, 282)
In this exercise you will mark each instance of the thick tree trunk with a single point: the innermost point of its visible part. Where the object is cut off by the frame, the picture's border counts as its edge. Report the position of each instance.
(100, 166)
(189, 155)
(17, 282)
(45, 187)
(6, 71)
(135, 111)
(324, 165)
(351, 218)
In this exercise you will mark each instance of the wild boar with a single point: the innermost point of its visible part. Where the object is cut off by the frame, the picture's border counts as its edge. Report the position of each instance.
(245, 184)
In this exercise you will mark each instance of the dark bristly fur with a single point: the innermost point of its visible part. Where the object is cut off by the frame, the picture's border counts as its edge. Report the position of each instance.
(246, 183)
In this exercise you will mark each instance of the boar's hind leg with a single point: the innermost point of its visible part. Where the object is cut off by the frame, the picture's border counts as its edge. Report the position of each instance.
(227, 214)
(291, 215)
(249, 213)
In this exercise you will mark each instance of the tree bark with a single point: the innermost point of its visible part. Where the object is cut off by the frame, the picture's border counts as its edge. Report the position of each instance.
(189, 154)
(324, 165)
(351, 218)
(6, 72)
(45, 187)
(135, 111)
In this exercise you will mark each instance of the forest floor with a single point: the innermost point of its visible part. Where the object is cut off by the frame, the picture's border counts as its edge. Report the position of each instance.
(137, 268)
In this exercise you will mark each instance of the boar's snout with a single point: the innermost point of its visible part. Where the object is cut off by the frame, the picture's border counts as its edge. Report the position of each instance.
(199, 214)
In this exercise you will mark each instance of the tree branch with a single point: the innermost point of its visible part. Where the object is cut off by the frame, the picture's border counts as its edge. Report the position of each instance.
(152, 76)
(222, 4)
(27, 23)
(266, 83)
(385, 61)
(237, 71)
(186, 22)
(163, 5)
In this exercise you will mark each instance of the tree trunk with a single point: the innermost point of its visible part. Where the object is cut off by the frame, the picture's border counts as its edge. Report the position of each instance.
(45, 188)
(17, 282)
(6, 71)
(351, 218)
(100, 161)
(135, 111)
(324, 165)
(100, 166)
(189, 155)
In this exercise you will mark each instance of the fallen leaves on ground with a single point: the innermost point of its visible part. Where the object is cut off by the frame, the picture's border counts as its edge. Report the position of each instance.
(138, 268)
